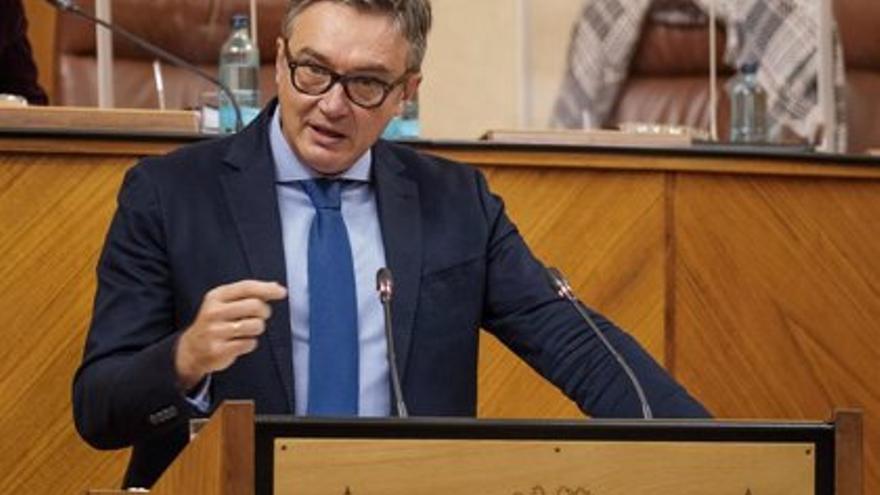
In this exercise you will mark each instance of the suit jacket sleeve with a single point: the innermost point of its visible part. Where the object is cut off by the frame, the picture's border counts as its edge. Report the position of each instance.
(125, 389)
(526, 314)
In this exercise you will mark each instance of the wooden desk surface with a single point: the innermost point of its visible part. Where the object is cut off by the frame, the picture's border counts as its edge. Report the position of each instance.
(699, 158)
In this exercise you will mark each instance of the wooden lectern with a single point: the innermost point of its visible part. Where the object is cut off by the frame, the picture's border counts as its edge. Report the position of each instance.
(238, 453)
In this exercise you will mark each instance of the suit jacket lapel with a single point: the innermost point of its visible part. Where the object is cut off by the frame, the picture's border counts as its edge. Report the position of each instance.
(249, 185)
(400, 218)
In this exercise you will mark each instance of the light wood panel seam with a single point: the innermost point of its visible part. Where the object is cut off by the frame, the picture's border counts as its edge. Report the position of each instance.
(670, 273)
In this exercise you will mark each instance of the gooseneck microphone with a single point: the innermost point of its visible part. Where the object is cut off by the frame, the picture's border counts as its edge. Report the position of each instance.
(385, 287)
(73, 8)
(563, 288)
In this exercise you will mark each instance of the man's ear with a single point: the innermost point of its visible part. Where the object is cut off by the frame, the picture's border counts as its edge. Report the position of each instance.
(280, 59)
(410, 90)
(411, 87)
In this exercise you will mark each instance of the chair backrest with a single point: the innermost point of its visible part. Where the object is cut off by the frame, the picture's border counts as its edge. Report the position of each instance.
(191, 29)
(858, 21)
(668, 81)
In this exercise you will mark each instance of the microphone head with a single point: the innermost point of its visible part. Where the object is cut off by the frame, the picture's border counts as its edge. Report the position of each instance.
(384, 284)
(559, 282)
(63, 4)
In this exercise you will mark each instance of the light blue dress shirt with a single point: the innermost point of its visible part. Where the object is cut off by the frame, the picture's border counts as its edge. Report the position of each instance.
(362, 222)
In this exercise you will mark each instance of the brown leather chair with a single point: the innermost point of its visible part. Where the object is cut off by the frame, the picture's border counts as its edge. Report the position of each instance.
(191, 29)
(859, 21)
(668, 75)
(668, 79)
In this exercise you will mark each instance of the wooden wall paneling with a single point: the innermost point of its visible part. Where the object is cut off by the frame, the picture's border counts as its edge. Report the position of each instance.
(605, 231)
(772, 310)
(54, 212)
(778, 299)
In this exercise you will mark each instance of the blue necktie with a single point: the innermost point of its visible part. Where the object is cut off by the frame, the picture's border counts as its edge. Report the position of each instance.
(333, 330)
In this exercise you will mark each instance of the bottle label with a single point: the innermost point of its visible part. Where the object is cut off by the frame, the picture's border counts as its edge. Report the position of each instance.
(249, 104)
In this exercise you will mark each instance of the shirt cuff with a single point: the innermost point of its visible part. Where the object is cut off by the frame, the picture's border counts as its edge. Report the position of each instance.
(200, 397)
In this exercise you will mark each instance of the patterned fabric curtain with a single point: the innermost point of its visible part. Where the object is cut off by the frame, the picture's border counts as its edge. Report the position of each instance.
(602, 44)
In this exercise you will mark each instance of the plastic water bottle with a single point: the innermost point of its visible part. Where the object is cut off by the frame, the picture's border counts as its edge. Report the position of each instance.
(748, 112)
(406, 125)
(240, 72)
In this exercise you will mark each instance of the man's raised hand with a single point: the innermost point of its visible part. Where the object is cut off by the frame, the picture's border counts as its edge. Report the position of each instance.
(231, 319)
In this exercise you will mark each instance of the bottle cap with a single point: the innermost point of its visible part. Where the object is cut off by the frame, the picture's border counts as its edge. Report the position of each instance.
(239, 21)
(749, 67)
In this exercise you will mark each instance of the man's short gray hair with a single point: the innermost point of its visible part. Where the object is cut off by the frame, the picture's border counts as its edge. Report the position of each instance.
(412, 17)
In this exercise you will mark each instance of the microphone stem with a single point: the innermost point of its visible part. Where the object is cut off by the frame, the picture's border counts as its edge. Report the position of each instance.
(392, 361)
(646, 409)
(564, 290)
(170, 57)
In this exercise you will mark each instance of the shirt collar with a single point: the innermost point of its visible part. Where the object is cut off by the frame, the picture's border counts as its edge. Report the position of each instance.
(289, 168)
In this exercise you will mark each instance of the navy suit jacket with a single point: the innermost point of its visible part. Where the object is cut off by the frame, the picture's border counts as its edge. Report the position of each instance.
(207, 215)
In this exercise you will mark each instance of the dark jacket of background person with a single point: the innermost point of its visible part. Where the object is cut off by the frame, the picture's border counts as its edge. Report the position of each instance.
(18, 73)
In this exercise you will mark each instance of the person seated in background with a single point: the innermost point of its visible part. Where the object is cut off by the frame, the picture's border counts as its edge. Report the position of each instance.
(245, 267)
(780, 38)
(18, 73)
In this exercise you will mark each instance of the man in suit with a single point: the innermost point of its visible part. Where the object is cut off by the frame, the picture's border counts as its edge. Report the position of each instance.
(245, 267)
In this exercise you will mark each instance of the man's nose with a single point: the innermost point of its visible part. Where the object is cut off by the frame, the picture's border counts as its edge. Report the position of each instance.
(334, 103)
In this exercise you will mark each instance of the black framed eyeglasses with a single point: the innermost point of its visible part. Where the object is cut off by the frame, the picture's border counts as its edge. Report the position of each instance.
(364, 91)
